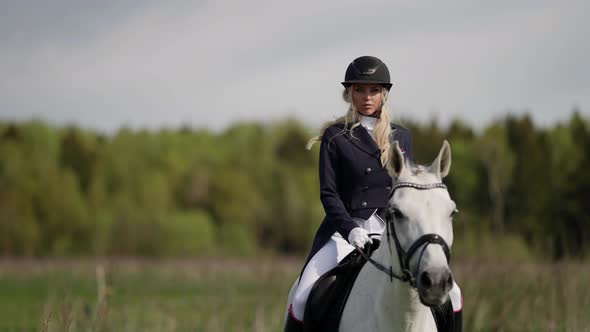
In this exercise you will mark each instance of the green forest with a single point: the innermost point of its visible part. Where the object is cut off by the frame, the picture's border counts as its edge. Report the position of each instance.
(252, 189)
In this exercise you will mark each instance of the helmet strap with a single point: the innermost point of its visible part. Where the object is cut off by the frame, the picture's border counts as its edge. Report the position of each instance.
(377, 114)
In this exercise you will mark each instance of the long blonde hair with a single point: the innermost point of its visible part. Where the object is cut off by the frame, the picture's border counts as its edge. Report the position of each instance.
(351, 119)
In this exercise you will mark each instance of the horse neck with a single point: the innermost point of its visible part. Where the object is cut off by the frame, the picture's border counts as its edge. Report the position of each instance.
(397, 306)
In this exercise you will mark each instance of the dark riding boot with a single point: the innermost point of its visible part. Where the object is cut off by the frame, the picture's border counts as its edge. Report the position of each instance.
(446, 319)
(293, 325)
(458, 321)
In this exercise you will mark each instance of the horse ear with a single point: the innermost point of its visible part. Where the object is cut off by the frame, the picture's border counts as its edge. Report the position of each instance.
(396, 162)
(442, 164)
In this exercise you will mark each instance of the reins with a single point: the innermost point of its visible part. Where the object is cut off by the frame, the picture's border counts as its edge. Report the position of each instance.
(381, 267)
(405, 256)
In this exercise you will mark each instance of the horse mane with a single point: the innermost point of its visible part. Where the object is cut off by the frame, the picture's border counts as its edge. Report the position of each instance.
(415, 169)
(419, 172)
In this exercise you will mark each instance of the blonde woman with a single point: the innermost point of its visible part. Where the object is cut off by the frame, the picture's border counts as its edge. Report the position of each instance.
(354, 183)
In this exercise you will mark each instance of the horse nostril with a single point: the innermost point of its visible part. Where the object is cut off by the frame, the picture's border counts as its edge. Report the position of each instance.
(425, 280)
(450, 281)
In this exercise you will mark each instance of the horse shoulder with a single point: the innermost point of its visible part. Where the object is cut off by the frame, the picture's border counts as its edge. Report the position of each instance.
(358, 314)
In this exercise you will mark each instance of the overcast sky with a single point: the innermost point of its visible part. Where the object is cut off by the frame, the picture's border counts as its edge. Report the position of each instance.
(104, 64)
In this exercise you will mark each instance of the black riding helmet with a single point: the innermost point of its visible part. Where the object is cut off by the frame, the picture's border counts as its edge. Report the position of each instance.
(367, 69)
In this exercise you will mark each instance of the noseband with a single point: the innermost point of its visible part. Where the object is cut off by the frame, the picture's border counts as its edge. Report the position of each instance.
(403, 255)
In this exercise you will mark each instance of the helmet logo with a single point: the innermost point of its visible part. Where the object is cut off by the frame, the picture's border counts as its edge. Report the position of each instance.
(370, 71)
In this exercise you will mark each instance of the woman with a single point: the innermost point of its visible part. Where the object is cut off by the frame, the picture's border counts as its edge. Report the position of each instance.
(354, 183)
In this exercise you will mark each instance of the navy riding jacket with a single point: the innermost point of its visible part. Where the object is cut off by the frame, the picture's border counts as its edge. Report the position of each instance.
(352, 181)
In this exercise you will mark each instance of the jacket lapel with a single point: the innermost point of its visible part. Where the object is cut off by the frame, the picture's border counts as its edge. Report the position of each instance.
(363, 140)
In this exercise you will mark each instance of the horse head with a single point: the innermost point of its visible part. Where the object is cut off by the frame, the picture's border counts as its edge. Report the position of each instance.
(419, 223)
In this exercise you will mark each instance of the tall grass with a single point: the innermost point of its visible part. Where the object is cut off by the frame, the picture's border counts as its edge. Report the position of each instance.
(250, 295)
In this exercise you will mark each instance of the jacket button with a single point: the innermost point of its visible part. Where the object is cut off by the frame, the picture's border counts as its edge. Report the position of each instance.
(368, 170)
(363, 204)
(388, 188)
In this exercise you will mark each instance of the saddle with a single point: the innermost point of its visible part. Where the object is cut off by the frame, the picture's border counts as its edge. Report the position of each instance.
(329, 294)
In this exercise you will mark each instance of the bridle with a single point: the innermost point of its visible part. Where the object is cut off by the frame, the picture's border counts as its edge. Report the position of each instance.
(405, 256)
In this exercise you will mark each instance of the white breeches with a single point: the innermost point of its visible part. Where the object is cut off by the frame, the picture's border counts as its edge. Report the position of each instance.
(328, 257)
(323, 261)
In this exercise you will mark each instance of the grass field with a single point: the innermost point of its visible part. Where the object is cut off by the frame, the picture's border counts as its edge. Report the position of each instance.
(249, 295)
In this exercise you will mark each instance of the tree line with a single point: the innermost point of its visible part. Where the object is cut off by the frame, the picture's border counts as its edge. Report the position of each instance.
(253, 188)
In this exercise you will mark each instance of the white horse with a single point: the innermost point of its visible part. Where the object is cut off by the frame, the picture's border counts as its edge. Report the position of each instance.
(409, 272)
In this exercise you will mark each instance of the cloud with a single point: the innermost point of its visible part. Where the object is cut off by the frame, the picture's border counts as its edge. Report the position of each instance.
(212, 63)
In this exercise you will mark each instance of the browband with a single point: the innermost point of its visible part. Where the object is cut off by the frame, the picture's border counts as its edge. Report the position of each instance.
(416, 186)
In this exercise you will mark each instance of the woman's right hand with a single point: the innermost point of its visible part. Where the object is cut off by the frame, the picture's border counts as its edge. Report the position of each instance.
(358, 237)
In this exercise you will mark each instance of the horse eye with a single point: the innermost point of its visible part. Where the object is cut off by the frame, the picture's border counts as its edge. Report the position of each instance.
(455, 211)
(397, 214)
